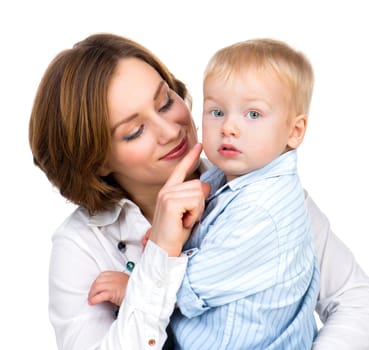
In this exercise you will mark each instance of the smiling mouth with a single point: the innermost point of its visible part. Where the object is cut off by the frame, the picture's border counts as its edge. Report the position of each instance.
(177, 152)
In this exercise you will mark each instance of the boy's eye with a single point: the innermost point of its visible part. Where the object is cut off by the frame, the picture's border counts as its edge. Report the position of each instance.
(253, 115)
(134, 135)
(217, 113)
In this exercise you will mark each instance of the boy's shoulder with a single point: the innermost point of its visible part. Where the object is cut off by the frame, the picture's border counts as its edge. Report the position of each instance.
(214, 176)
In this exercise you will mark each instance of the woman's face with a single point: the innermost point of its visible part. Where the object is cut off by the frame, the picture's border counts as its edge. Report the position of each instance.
(151, 127)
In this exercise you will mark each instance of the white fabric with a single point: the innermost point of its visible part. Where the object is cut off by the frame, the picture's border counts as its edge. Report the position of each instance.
(343, 302)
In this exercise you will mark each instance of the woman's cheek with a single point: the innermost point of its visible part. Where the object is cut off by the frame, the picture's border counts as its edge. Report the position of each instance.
(129, 155)
(186, 119)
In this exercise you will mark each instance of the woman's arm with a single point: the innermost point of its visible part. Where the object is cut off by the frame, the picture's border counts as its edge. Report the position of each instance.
(144, 314)
(343, 303)
(149, 302)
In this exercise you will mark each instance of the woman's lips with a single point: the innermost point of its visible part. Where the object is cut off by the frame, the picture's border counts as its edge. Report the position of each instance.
(176, 152)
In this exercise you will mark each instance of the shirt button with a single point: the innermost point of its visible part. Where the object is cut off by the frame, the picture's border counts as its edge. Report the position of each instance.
(130, 266)
(121, 246)
(152, 342)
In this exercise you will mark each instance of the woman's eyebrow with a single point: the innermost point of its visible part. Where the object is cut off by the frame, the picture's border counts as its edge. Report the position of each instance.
(133, 116)
(123, 121)
(158, 89)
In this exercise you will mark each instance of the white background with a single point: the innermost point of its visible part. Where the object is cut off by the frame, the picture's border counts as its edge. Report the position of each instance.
(332, 162)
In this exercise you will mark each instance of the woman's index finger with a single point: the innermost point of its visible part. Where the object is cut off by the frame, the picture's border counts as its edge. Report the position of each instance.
(187, 163)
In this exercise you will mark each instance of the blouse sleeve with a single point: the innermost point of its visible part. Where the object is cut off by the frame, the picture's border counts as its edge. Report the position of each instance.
(143, 316)
(343, 302)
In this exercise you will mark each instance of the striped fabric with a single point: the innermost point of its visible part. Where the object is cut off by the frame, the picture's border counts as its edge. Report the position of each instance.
(252, 278)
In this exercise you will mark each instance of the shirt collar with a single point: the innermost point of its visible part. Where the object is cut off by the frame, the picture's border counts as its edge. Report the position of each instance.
(107, 217)
(283, 165)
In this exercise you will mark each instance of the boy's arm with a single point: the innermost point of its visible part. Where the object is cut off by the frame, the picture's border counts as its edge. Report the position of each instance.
(343, 303)
(233, 261)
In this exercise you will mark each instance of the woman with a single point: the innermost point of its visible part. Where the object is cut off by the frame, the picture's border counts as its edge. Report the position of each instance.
(111, 130)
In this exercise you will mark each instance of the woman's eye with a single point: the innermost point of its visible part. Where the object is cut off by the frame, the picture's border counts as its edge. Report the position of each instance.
(216, 113)
(134, 135)
(169, 102)
(253, 115)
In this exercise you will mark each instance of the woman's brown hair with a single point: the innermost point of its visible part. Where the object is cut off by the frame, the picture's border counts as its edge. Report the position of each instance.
(69, 132)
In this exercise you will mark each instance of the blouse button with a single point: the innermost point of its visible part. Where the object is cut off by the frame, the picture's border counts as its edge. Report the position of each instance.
(121, 246)
(130, 266)
(152, 342)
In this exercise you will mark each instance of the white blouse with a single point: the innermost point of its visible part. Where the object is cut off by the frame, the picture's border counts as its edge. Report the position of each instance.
(84, 246)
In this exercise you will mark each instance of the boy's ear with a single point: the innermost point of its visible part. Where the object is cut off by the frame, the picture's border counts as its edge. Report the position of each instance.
(298, 129)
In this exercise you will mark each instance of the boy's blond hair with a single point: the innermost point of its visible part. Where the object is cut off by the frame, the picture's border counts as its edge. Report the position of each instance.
(272, 56)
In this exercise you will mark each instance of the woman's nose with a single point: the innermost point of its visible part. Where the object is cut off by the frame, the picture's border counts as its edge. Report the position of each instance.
(166, 130)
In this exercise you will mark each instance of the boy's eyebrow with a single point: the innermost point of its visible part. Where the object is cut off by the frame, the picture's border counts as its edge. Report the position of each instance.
(208, 97)
(133, 116)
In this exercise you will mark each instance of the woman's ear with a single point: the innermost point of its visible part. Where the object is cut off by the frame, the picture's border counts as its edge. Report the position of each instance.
(298, 129)
(104, 170)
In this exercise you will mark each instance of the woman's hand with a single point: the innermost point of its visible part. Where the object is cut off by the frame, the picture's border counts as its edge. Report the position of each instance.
(145, 238)
(108, 286)
(179, 206)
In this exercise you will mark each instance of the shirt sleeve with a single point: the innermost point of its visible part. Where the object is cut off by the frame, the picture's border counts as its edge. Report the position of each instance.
(232, 262)
(343, 302)
(143, 316)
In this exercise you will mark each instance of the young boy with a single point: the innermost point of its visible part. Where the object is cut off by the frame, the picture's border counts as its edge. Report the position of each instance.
(252, 278)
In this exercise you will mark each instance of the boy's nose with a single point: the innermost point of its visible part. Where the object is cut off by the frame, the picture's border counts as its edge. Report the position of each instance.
(229, 128)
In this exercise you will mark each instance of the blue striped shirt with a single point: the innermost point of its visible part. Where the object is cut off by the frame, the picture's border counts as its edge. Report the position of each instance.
(252, 279)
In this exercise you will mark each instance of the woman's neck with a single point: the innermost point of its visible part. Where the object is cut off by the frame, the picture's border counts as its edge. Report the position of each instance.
(146, 203)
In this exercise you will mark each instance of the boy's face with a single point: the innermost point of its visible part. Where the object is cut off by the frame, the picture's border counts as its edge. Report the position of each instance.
(246, 121)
